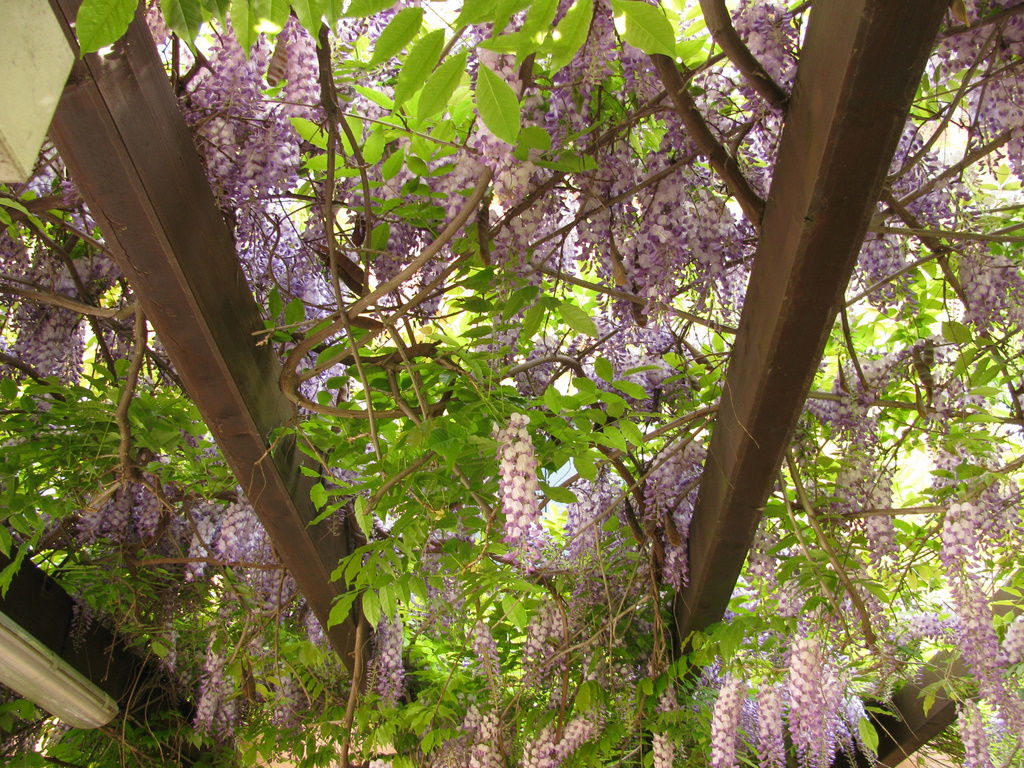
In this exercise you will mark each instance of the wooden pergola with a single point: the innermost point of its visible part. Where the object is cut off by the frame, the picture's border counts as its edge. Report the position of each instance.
(123, 138)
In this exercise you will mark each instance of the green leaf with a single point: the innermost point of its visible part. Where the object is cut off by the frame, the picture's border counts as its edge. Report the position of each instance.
(631, 432)
(219, 8)
(475, 12)
(612, 438)
(271, 13)
(553, 400)
(589, 695)
(309, 14)
(532, 319)
(571, 33)
(362, 517)
(535, 137)
(8, 571)
(577, 319)
(310, 131)
(497, 104)
(958, 333)
(373, 149)
(318, 495)
(101, 22)
(397, 34)
(341, 608)
(692, 52)
(631, 388)
(516, 42)
(418, 65)
(332, 8)
(929, 702)
(539, 17)
(15, 205)
(647, 28)
(379, 236)
(514, 611)
(295, 312)
(393, 164)
(868, 735)
(441, 86)
(561, 495)
(371, 608)
(585, 466)
(604, 369)
(245, 23)
(367, 7)
(184, 17)
(503, 10)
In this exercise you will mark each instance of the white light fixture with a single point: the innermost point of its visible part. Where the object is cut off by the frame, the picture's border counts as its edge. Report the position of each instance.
(35, 58)
(40, 675)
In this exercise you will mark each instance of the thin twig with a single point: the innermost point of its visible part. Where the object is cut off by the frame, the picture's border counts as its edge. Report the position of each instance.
(132, 379)
(329, 98)
(889, 278)
(25, 368)
(634, 299)
(65, 302)
(568, 362)
(158, 561)
(357, 684)
(483, 180)
(290, 378)
(993, 18)
(848, 338)
(844, 577)
(394, 480)
(893, 512)
(977, 237)
(948, 112)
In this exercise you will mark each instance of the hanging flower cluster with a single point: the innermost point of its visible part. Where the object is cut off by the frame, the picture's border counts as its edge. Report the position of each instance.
(518, 486)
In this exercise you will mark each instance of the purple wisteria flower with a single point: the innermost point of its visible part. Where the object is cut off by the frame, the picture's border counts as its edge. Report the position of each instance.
(815, 700)
(486, 650)
(518, 486)
(725, 722)
(301, 91)
(771, 743)
(216, 710)
(1013, 642)
(974, 737)
(485, 733)
(548, 751)
(388, 666)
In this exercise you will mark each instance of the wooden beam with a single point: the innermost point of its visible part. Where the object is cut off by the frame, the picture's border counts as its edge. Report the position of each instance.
(908, 728)
(120, 132)
(859, 68)
(901, 736)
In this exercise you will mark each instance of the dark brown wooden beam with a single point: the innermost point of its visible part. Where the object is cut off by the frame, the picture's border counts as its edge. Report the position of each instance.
(901, 735)
(120, 132)
(859, 67)
(908, 727)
